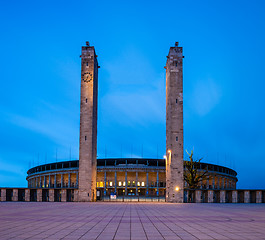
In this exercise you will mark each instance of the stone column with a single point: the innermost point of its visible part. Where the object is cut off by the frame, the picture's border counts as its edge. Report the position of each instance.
(210, 196)
(27, 195)
(223, 183)
(77, 185)
(234, 196)
(49, 180)
(75, 195)
(246, 197)
(55, 181)
(62, 181)
(126, 183)
(69, 180)
(157, 183)
(40, 182)
(115, 181)
(198, 196)
(147, 184)
(207, 182)
(45, 183)
(105, 182)
(51, 195)
(63, 196)
(213, 182)
(15, 195)
(3, 195)
(222, 196)
(39, 195)
(136, 182)
(258, 196)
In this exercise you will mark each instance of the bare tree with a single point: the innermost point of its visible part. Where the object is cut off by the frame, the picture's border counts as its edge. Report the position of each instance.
(191, 174)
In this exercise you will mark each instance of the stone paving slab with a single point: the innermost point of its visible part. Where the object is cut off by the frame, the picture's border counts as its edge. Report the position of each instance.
(132, 221)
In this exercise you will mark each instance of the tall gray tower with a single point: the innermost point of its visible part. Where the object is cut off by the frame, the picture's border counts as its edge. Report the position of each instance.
(88, 124)
(174, 125)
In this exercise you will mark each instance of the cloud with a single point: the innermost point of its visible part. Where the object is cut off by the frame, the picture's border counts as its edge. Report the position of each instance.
(135, 91)
(51, 121)
(205, 95)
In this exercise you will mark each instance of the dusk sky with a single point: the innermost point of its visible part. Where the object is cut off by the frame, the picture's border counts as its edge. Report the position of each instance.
(224, 81)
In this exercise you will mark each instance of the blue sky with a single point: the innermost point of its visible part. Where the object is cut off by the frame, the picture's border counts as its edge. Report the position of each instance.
(224, 81)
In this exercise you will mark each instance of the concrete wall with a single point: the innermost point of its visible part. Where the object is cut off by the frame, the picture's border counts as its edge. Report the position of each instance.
(199, 196)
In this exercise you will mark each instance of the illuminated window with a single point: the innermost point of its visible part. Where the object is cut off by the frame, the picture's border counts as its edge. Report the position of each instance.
(138, 183)
(142, 184)
(124, 183)
(100, 184)
(110, 183)
(119, 183)
(129, 183)
(97, 184)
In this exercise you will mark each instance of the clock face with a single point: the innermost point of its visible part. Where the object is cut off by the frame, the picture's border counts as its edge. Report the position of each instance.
(87, 77)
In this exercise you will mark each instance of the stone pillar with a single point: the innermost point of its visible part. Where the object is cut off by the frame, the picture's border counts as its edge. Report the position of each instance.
(51, 195)
(75, 195)
(88, 124)
(147, 184)
(157, 183)
(105, 182)
(115, 181)
(69, 180)
(207, 182)
(213, 182)
(223, 183)
(198, 196)
(62, 183)
(55, 180)
(246, 197)
(40, 182)
(63, 196)
(174, 125)
(39, 195)
(49, 180)
(3, 195)
(45, 183)
(27, 195)
(234, 196)
(210, 196)
(126, 183)
(15, 195)
(258, 196)
(136, 183)
(77, 184)
(218, 182)
(222, 196)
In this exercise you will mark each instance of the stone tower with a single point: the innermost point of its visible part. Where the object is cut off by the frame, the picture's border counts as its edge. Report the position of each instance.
(88, 124)
(174, 125)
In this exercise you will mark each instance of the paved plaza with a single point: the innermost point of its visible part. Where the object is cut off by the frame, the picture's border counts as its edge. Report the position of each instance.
(103, 221)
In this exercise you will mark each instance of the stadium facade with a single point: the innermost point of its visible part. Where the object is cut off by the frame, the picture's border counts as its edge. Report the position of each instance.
(122, 178)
